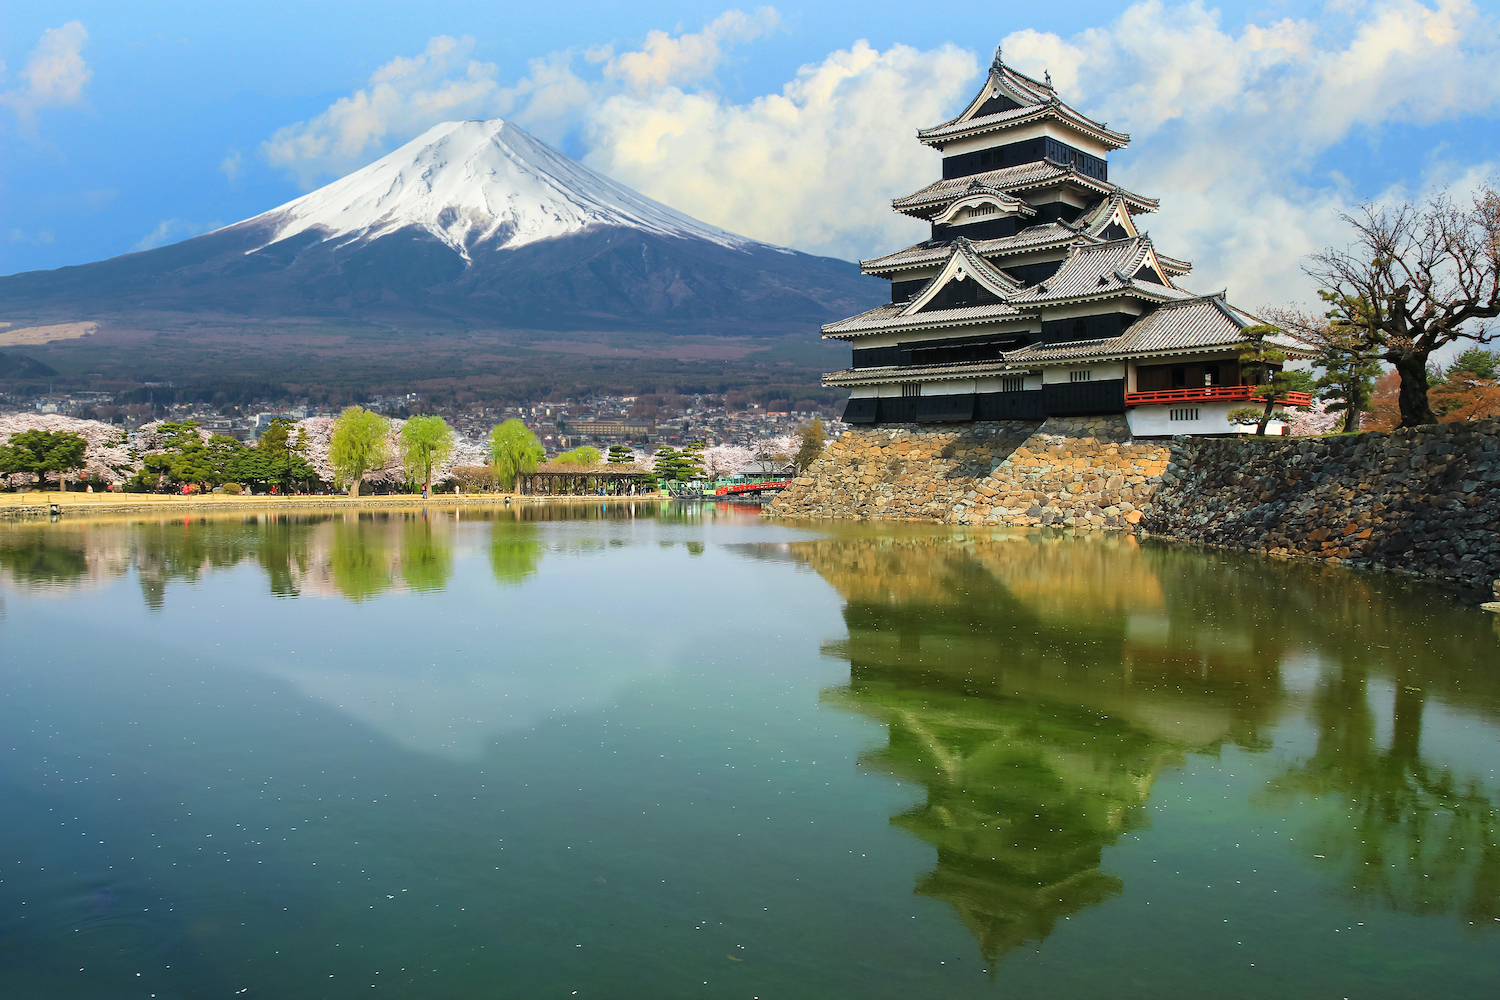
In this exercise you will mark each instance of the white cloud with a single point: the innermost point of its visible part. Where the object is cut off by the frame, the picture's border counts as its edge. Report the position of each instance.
(402, 98)
(39, 238)
(666, 61)
(172, 230)
(410, 94)
(55, 74)
(814, 166)
(232, 165)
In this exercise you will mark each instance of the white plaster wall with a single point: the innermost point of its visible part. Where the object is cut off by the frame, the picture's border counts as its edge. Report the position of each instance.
(1102, 371)
(1213, 418)
(953, 388)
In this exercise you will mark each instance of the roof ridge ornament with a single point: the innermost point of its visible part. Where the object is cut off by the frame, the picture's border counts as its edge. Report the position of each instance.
(999, 63)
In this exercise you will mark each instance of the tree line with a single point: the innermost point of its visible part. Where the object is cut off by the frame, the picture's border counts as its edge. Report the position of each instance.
(181, 456)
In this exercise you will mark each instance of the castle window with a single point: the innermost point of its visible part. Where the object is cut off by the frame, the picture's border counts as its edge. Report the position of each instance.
(1083, 375)
(1012, 383)
(1184, 414)
(909, 389)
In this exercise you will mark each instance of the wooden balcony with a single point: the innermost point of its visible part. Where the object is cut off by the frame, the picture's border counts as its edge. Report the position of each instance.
(1211, 393)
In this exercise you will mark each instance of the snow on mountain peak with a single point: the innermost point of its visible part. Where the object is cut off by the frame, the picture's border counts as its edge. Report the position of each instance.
(479, 182)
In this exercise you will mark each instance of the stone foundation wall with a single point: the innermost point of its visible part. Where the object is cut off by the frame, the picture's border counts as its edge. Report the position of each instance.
(900, 472)
(1084, 472)
(1079, 472)
(1423, 501)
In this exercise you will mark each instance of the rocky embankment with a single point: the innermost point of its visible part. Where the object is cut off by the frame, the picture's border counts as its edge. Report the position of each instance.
(1081, 472)
(1424, 501)
(902, 472)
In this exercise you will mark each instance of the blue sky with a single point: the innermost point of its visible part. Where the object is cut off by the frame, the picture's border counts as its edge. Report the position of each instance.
(1256, 124)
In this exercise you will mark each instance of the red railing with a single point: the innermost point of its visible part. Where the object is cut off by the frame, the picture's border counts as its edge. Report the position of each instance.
(1226, 393)
(724, 491)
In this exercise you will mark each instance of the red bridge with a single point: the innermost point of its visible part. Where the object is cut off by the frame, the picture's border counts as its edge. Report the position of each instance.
(724, 491)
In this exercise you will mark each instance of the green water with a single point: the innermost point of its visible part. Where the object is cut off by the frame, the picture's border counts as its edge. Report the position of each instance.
(679, 752)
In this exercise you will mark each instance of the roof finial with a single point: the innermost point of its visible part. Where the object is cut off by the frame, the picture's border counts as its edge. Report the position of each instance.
(999, 62)
(1048, 74)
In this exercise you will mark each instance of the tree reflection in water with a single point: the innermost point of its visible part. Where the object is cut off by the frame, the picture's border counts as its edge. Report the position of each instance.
(515, 551)
(357, 555)
(1035, 686)
(1398, 829)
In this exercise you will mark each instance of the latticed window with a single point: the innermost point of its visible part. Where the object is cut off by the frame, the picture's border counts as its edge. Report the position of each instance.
(1188, 413)
(1084, 375)
(1012, 383)
(911, 388)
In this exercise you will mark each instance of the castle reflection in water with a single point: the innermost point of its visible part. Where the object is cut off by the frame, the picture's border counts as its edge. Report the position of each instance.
(1034, 684)
(1037, 684)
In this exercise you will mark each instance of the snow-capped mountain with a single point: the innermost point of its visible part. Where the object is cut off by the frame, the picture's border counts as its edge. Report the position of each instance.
(475, 251)
(477, 224)
(478, 182)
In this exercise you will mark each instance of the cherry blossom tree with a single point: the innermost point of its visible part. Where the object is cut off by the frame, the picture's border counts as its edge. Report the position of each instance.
(1312, 421)
(773, 453)
(108, 457)
(726, 460)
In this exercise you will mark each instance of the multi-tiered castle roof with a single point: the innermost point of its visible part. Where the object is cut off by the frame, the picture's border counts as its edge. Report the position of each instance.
(1036, 277)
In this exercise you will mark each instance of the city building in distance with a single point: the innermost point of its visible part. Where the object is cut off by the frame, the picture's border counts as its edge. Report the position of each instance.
(1037, 296)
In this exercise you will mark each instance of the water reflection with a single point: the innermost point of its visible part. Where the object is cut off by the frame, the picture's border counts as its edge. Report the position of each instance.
(1036, 685)
(515, 550)
(1414, 834)
(355, 555)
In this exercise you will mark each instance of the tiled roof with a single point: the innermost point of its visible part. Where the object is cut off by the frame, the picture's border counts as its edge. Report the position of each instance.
(925, 373)
(1030, 238)
(1038, 173)
(1021, 175)
(977, 192)
(1198, 324)
(1174, 266)
(949, 131)
(889, 317)
(1036, 98)
(1101, 269)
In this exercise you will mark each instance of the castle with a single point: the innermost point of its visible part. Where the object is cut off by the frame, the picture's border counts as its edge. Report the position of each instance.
(1037, 296)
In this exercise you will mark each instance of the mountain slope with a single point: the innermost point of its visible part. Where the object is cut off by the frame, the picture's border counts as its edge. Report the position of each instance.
(471, 225)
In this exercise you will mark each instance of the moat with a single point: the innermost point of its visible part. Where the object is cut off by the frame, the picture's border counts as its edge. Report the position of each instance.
(676, 751)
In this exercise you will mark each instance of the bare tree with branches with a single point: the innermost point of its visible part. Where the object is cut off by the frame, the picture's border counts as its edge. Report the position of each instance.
(1417, 276)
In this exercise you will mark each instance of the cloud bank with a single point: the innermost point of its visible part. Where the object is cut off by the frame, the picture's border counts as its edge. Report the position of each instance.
(1229, 126)
(54, 76)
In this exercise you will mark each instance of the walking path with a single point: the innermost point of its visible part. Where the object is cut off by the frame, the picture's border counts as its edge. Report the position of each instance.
(36, 503)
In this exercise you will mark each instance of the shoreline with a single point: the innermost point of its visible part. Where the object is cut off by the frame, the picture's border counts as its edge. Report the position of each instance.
(37, 504)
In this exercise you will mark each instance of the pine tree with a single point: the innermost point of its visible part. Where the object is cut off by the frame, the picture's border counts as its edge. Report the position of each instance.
(1272, 383)
(1350, 366)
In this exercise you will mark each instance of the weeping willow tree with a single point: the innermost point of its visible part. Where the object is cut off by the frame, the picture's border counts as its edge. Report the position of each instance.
(358, 443)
